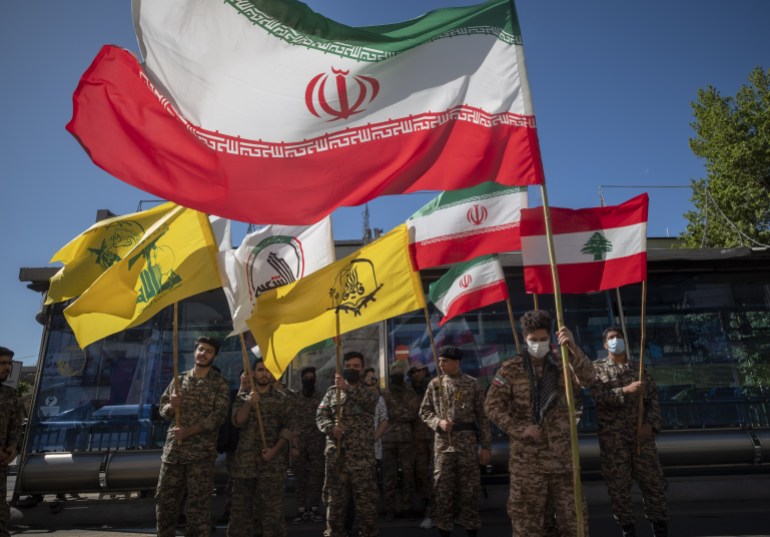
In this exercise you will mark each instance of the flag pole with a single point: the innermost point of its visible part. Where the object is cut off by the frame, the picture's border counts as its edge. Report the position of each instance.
(534, 301)
(577, 488)
(642, 343)
(338, 355)
(513, 325)
(622, 316)
(250, 375)
(441, 394)
(175, 343)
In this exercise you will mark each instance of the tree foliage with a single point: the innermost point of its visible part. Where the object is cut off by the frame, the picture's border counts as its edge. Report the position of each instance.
(732, 134)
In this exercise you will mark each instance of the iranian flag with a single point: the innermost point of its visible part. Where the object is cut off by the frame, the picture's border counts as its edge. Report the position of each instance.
(469, 286)
(464, 224)
(265, 110)
(596, 249)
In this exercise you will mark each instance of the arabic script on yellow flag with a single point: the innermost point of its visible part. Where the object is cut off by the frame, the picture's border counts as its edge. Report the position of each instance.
(175, 259)
(373, 284)
(88, 255)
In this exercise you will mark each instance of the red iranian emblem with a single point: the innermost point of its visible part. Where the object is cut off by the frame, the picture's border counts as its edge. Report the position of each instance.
(477, 214)
(352, 92)
(465, 281)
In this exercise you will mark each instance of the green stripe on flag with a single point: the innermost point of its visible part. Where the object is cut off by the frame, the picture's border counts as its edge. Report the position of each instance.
(297, 24)
(466, 195)
(440, 287)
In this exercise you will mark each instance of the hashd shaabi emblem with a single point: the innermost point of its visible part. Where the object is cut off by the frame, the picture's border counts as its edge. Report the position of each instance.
(355, 286)
(124, 234)
(158, 274)
(273, 262)
(598, 245)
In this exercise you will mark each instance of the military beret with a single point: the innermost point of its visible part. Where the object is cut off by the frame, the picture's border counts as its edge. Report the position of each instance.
(451, 352)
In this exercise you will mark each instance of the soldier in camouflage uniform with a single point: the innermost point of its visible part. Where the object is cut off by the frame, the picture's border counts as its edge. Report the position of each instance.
(345, 416)
(259, 472)
(616, 392)
(10, 432)
(191, 449)
(422, 441)
(309, 462)
(397, 448)
(454, 408)
(527, 401)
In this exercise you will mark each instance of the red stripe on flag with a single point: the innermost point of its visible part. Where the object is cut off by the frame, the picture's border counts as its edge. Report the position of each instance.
(433, 253)
(587, 277)
(478, 298)
(634, 211)
(129, 132)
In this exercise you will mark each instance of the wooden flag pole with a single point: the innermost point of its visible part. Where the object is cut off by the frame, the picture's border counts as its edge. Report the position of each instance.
(441, 393)
(175, 344)
(513, 325)
(577, 488)
(250, 375)
(622, 316)
(338, 354)
(642, 343)
(535, 302)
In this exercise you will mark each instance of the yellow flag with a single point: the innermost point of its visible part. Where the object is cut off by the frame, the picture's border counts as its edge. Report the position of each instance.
(373, 284)
(88, 255)
(175, 259)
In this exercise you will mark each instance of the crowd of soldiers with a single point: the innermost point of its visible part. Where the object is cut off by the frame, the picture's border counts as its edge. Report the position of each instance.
(435, 431)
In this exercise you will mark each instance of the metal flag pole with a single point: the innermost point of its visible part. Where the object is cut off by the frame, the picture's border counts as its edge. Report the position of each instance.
(175, 344)
(642, 343)
(441, 392)
(250, 375)
(577, 488)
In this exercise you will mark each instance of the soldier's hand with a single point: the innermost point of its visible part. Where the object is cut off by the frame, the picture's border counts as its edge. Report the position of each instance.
(180, 433)
(294, 452)
(633, 387)
(445, 425)
(338, 432)
(564, 337)
(245, 384)
(269, 453)
(7, 455)
(254, 398)
(531, 432)
(646, 431)
(485, 456)
(340, 382)
(175, 401)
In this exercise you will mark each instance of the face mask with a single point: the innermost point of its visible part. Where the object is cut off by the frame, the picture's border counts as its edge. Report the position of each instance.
(616, 345)
(352, 376)
(397, 380)
(308, 386)
(538, 349)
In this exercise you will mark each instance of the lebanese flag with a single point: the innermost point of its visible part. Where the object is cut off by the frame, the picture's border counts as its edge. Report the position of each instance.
(265, 111)
(469, 286)
(596, 249)
(464, 224)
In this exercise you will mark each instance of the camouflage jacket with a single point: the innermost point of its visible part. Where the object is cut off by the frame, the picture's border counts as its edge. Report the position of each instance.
(420, 429)
(617, 412)
(509, 406)
(462, 401)
(205, 402)
(306, 428)
(403, 407)
(10, 418)
(357, 418)
(276, 411)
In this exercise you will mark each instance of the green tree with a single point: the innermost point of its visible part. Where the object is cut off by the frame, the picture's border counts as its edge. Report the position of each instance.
(732, 134)
(597, 246)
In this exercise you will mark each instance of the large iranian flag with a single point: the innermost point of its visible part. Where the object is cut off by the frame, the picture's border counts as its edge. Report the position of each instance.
(596, 248)
(265, 111)
(469, 286)
(464, 224)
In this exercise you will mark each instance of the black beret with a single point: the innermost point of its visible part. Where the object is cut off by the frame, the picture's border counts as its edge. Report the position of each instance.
(450, 352)
(309, 369)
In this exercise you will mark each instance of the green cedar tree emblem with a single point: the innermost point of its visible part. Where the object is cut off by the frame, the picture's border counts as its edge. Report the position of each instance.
(597, 246)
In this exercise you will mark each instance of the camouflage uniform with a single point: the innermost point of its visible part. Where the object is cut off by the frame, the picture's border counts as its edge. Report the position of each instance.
(189, 467)
(539, 470)
(10, 435)
(402, 405)
(422, 441)
(456, 476)
(354, 469)
(617, 416)
(258, 485)
(309, 465)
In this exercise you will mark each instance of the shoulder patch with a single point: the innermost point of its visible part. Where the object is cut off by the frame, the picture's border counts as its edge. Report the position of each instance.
(498, 380)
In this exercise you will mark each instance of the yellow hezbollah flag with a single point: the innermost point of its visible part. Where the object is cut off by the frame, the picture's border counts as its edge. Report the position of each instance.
(175, 259)
(88, 255)
(373, 284)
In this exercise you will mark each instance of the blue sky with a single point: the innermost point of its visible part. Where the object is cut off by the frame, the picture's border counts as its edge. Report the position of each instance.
(611, 80)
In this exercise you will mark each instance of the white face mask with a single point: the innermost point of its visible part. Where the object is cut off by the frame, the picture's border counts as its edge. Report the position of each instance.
(616, 345)
(538, 349)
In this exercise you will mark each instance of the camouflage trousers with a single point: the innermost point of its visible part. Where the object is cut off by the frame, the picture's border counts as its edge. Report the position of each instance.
(258, 504)
(536, 497)
(394, 453)
(621, 464)
(309, 473)
(423, 461)
(196, 480)
(5, 511)
(456, 488)
(356, 476)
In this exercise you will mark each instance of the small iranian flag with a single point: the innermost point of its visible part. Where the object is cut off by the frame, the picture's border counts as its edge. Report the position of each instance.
(464, 224)
(245, 107)
(596, 249)
(469, 286)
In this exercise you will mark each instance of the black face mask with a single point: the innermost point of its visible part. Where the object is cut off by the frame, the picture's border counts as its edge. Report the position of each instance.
(308, 386)
(352, 376)
(397, 380)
